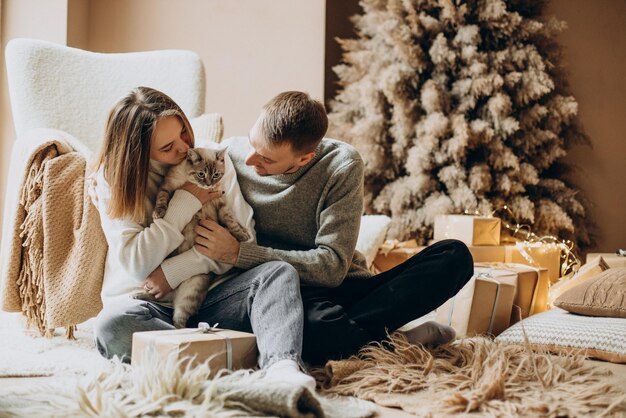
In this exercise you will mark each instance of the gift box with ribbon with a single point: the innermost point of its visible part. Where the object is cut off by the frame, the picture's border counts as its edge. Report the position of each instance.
(482, 307)
(536, 254)
(532, 284)
(472, 230)
(221, 348)
(394, 252)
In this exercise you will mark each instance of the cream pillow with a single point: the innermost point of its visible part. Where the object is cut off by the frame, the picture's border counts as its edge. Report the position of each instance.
(559, 331)
(372, 234)
(208, 126)
(603, 295)
(586, 272)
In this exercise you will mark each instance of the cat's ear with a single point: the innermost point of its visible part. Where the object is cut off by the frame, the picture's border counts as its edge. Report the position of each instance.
(219, 155)
(192, 156)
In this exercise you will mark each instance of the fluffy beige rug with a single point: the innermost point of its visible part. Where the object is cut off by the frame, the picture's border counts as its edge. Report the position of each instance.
(24, 353)
(475, 376)
(168, 390)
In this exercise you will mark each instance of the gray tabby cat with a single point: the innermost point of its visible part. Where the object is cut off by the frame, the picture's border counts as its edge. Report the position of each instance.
(205, 168)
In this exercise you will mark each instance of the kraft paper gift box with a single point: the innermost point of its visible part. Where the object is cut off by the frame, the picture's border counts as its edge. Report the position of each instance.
(536, 254)
(394, 252)
(488, 253)
(613, 260)
(532, 284)
(482, 306)
(221, 348)
(472, 230)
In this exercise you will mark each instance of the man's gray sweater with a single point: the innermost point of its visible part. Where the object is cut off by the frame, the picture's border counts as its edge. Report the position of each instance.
(309, 218)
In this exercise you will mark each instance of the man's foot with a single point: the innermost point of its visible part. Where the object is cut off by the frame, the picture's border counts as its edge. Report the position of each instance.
(430, 332)
(289, 371)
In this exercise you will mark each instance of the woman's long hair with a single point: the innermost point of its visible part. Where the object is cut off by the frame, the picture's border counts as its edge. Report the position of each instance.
(125, 151)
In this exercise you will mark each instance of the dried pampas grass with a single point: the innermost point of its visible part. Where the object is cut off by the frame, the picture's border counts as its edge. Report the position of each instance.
(477, 376)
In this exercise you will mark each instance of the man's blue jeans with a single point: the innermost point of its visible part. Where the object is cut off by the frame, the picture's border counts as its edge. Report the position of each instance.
(264, 300)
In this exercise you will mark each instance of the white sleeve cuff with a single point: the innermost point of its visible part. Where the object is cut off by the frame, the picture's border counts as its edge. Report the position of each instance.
(181, 208)
(188, 264)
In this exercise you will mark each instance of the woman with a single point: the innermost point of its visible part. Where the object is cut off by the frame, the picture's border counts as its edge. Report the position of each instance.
(146, 133)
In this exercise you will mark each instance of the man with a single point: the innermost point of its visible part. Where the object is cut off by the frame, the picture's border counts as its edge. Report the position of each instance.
(307, 197)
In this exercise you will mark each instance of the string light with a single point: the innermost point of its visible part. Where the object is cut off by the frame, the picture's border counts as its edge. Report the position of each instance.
(570, 262)
(523, 232)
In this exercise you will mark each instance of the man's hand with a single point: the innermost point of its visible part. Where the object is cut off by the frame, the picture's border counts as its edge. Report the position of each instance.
(203, 195)
(216, 242)
(156, 285)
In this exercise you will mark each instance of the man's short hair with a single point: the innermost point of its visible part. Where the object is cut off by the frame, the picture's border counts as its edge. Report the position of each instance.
(295, 118)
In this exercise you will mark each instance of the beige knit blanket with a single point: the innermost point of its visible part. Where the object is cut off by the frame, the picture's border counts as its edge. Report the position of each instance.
(57, 252)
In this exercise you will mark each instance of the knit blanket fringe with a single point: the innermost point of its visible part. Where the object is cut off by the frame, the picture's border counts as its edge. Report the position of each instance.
(476, 376)
(57, 252)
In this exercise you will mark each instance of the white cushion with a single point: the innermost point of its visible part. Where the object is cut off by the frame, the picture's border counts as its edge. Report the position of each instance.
(207, 127)
(558, 330)
(372, 234)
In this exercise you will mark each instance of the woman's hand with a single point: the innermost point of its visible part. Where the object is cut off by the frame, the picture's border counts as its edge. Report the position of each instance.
(156, 284)
(203, 195)
(91, 188)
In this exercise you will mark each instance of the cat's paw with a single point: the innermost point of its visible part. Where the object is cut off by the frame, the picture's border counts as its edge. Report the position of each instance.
(159, 212)
(180, 321)
(144, 296)
(241, 236)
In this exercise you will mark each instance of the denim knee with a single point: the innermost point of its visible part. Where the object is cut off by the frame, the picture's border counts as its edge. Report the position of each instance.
(283, 271)
(113, 332)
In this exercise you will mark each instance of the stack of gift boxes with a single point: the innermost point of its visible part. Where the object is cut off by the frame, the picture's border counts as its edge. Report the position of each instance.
(511, 279)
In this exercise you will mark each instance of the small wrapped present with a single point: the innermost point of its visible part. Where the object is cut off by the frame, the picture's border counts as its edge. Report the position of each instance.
(613, 260)
(221, 348)
(531, 284)
(482, 306)
(536, 254)
(394, 252)
(488, 253)
(472, 230)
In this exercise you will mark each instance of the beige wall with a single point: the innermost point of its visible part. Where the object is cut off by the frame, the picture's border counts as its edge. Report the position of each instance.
(594, 49)
(251, 49)
(41, 19)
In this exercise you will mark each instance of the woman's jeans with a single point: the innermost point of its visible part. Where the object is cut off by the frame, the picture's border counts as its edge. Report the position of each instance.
(338, 321)
(264, 300)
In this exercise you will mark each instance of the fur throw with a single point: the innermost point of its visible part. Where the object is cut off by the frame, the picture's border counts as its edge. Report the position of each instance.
(475, 376)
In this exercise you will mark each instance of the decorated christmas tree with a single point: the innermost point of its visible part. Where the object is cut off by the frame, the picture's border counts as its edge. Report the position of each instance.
(460, 106)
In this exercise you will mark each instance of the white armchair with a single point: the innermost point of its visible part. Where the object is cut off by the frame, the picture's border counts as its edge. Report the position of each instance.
(68, 92)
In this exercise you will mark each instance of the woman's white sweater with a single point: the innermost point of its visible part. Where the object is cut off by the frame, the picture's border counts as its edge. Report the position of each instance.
(135, 250)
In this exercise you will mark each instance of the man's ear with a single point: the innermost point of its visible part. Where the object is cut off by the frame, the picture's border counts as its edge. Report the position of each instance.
(305, 158)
